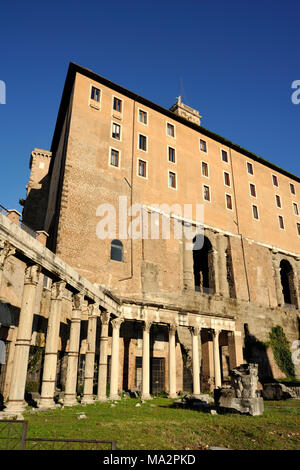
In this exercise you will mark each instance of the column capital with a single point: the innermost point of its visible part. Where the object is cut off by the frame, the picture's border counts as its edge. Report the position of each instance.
(6, 250)
(32, 274)
(195, 330)
(215, 332)
(57, 290)
(104, 317)
(77, 301)
(172, 328)
(147, 325)
(116, 322)
(93, 310)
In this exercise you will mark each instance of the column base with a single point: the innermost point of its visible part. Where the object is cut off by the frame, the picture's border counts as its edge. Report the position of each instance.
(13, 409)
(47, 403)
(146, 396)
(172, 395)
(89, 400)
(102, 399)
(114, 397)
(70, 401)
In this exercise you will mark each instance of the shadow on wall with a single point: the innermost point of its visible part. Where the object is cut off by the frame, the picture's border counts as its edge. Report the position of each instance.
(256, 352)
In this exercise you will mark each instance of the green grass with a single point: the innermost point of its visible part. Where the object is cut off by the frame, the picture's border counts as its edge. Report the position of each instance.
(155, 425)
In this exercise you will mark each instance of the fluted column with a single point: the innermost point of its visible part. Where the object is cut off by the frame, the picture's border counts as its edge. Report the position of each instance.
(6, 250)
(172, 360)
(72, 368)
(102, 370)
(114, 370)
(195, 356)
(51, 348)
(88, 396)
(146, 361)
(217, 365)
(16, 402)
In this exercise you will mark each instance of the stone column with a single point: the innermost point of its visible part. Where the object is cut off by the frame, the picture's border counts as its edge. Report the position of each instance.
(195, 355)
(6, 250)
(102, 370)
(172, 360)
(88, 396)
(187, 258)
(217, 365)
(114, 369)
(51, 348)
(222, 265)
(278, 285)
(72, 368)
(16, 403)
(214, 273)
(146, 361)
(235, 348)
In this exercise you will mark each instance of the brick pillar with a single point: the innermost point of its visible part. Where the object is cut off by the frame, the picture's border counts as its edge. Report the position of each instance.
(195, 357)
(72, 368)
(172, 360)
(102, 370)
(51, 348)
(146, 361)
(114, 370)
(16, 403)
(88, 396)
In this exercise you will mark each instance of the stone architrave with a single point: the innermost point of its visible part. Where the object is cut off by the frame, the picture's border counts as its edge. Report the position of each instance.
(146, 361)
(172, 360)
(88, 396)
(16, 403)
(195, 357)
(102, 370)
(6, 250)
(216, 352)
(72, 368)
(51, 348)
(114, 370)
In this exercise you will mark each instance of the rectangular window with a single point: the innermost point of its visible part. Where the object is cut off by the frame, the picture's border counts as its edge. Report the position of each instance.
(278, 201)
(170, 130)
(115, 157)
(203, 145)
(250, 168)
(95, 94)
(206, 193)
(255, 212)
(143, 118)
(116, 131)
(295, 206)
(274, 180)
(252, 190)
(281, 223)
(171, 154)
(298, 228)
(172, 179)
(226, 178)
(204, 169)
(228, 201)
(143, 142)
(117, 105)
(224, 156)
(292, 188)
(142, 168)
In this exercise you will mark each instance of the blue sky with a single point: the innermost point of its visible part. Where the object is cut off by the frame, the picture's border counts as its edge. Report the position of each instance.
(234, 61)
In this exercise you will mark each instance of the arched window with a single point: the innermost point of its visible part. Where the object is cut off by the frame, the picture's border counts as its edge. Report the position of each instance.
(203, 266)
(287, 282)
(116, 250)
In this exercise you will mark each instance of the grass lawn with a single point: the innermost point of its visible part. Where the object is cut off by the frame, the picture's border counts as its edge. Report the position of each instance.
(155, 425)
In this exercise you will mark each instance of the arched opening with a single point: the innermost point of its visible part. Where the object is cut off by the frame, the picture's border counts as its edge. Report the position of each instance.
(203, 266)
(287, 282)
(116, 250)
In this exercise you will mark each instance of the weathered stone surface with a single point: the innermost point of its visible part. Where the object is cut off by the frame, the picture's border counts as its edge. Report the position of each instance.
(277, 391)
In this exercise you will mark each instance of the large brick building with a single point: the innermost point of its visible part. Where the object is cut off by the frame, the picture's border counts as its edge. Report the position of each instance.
(113, 147)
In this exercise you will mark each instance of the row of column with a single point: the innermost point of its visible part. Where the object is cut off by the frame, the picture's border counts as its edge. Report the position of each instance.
(22, 346)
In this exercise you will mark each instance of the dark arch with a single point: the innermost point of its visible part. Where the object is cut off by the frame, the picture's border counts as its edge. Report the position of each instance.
(287, 282)
(116, 250)
(203, 266)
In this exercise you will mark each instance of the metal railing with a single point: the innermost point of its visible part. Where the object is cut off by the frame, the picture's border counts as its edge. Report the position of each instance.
(13, 436)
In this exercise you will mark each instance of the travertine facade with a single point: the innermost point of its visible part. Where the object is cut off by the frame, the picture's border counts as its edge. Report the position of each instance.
(185, 315)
